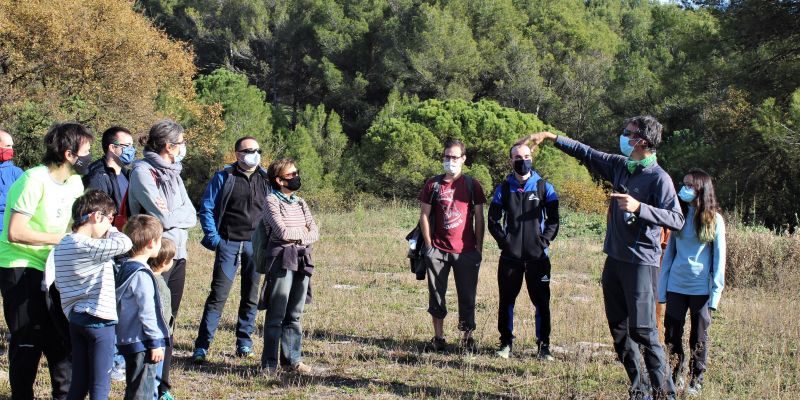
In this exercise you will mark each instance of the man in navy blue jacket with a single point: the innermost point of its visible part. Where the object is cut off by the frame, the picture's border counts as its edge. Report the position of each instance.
(111, 172)
(523, 219)
(644, 204)
(232, 205)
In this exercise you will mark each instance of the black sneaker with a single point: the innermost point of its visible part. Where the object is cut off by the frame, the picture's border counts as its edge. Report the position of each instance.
(436, 345)
(544, 352)
(469, 346)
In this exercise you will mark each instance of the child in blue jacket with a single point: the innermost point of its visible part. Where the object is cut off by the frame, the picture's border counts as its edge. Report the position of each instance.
(142, 332)
(693, 276)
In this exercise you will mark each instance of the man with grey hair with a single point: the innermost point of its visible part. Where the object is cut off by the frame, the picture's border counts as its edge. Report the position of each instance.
(643, 204)
(9, 172)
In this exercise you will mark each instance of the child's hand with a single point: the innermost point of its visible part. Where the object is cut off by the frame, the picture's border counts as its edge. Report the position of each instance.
(156, 355)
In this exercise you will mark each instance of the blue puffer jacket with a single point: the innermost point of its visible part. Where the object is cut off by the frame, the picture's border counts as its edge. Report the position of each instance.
(215, 199)
(9, 173)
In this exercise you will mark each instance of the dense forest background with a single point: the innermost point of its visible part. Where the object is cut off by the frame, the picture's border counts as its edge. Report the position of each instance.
(363, 92)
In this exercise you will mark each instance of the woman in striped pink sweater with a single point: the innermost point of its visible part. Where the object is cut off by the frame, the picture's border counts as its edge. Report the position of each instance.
(292, 230)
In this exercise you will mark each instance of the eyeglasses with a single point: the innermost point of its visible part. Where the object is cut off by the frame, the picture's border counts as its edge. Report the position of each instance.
(249, 151)
(123, 145)
(628, 133)
(183, 142)
(290, 175)
(451, 158)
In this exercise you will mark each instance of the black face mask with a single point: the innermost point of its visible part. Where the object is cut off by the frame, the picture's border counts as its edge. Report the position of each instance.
(522, 167)
(81, 166)
(293, 184)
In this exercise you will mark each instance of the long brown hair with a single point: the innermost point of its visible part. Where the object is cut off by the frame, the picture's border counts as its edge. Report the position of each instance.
(705, 217)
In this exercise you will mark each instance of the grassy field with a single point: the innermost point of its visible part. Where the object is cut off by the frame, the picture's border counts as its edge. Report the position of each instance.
(368, 324)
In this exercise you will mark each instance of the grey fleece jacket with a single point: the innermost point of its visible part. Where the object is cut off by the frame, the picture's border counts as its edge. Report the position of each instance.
(640, 242)
(142, 195)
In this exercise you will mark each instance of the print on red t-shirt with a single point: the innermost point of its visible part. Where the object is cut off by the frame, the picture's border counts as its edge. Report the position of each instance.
(454, 228)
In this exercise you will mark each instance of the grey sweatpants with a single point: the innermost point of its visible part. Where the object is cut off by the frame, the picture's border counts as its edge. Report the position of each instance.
(465, 271)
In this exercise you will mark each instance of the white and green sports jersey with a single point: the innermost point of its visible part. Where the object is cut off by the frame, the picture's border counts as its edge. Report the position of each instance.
(48, 203)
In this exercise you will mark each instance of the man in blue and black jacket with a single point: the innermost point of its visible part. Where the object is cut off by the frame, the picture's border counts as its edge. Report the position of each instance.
(645, 203)
(523, 219)
(232, 206)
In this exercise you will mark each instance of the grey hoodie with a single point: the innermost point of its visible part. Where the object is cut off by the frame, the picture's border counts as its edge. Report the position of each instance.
(147, 183)
(640, 242)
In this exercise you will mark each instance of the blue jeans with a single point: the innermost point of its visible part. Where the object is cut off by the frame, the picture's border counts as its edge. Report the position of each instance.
(159, 372)
(230, 254)
(92, 359)
(287, 296)
(140, 376)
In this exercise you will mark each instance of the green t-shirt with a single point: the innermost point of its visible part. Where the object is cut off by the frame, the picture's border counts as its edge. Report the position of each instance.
(48, 203)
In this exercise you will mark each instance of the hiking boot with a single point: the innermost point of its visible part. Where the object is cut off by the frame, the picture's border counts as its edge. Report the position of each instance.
(244, 352)
(544, 352)
(302, 369)
(504, 351)
(436, 345)
(199, 356)
(469, 346)
(269, 371)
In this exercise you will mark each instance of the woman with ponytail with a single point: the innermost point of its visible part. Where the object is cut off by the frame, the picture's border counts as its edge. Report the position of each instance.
(693, 276)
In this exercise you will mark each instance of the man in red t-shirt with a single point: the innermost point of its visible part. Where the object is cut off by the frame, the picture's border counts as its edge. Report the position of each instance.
(452, 241)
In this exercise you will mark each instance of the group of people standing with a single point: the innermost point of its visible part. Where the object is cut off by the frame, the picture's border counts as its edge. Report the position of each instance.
(523, 218)
(65, 268)
(79, 291)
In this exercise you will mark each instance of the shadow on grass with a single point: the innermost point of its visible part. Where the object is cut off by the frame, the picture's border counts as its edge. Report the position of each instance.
(411, 353)
(395, 387)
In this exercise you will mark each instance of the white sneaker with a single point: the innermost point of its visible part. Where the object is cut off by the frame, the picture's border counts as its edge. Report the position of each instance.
(504, 351)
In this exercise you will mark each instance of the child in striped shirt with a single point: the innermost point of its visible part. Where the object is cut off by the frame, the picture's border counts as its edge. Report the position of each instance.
(85, 277)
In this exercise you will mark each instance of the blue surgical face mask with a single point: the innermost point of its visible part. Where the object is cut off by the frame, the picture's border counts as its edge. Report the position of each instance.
(687, 194)
(127, 155)
(624, 146)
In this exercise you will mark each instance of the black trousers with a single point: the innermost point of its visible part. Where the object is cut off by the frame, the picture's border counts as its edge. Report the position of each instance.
(674, 320)
(630, 310)
(34, 332)
(176, 279)
(510, 274)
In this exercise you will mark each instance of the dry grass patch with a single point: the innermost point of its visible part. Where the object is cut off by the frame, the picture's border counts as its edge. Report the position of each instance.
(368, 324)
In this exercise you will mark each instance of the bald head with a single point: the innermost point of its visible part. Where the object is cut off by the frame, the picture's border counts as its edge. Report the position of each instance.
(6, 141)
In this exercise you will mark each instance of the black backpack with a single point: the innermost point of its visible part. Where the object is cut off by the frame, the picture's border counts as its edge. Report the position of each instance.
(416, 243)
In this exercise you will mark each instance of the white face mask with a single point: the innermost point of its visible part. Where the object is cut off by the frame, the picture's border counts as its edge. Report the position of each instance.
(251, 160)
(452, 167)
(181, 153)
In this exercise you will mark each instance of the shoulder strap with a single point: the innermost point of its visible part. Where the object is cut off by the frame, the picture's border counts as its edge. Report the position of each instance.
(437, 185)
(505, 191)
(541, 191)
(470, 188)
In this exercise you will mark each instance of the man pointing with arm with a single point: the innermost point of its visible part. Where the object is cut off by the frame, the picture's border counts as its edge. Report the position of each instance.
(645, 204)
